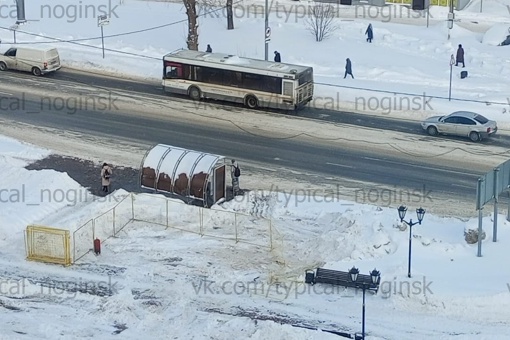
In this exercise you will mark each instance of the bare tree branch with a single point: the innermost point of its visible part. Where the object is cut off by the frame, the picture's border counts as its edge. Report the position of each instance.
(217, 9)
(321, 21)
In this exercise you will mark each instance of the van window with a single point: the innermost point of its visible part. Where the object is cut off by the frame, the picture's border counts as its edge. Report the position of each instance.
(11, 52)
(52, 53)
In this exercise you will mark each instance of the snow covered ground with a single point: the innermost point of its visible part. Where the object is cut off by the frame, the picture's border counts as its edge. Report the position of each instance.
(409, 59)
(156, 282)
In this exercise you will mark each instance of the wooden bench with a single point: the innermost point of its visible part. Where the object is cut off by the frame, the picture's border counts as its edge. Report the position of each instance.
(340, 278)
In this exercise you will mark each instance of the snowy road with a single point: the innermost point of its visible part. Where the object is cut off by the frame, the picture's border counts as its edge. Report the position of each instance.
(82, 115)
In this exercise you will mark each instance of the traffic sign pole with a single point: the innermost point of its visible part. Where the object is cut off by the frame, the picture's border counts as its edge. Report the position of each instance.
(266, 30)
(101, 21)
(452, 62)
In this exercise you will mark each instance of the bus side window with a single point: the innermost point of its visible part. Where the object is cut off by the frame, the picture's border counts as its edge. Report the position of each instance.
(173, 72)
(186, 72)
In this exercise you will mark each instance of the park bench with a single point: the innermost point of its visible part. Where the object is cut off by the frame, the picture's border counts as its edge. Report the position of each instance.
(340, 278)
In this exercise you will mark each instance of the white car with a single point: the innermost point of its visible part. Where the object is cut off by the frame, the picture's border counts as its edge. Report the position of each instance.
(461, 123)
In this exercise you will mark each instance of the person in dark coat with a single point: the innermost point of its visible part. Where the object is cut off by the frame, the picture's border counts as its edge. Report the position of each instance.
(348, 68)
(106, 172)
(460, 57)
(370, 33)
(235, 173)
(277, 57)
(209, 49)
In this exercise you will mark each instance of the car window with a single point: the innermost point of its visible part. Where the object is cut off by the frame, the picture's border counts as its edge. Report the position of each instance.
(481, 119)
(466, 121)
(451, 120)
(11, 52)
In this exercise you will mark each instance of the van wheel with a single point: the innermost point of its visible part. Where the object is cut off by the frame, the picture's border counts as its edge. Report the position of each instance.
(194, 93)
(474, 136)
(36, 71)
(3, 66)
(251, 102)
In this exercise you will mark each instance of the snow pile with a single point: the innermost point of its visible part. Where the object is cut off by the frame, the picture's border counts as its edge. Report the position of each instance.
(496, 34)
(172, 275)
(496, 7)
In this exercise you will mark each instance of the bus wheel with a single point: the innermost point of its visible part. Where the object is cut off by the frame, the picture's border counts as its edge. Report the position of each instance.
(194, 93)
(251, 102)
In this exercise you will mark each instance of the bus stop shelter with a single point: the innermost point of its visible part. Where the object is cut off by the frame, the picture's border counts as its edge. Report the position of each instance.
(190, 175)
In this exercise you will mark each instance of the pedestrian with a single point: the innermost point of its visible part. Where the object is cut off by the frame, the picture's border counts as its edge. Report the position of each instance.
(370, 33)
(460, 57)
(106, 173)
(277, 57)
(235, 173)
(348, 68)
(209, 49)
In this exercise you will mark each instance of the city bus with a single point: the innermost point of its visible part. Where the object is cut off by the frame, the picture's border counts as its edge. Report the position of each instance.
(251, 82)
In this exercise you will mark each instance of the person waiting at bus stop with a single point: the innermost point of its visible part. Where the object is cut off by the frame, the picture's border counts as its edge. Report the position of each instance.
(235, 173)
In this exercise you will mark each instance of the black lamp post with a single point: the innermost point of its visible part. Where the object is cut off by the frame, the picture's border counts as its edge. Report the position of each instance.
(402, 213)
(354, 272)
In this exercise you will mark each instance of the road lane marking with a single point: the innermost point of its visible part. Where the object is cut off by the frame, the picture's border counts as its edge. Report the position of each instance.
(341, 165)
(464, 186)
(422, 166)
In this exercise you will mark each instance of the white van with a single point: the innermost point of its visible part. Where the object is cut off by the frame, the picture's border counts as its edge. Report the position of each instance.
(29, 59)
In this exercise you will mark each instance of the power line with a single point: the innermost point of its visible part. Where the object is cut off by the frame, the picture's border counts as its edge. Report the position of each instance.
(76, 41)
(113, 35)
(412, 94)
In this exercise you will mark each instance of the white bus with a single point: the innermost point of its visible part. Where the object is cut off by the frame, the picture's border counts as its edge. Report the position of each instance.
(254, 83)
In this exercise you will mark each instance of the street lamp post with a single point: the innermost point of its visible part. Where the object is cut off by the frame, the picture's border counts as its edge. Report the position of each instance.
(402, 213)
(374, 275)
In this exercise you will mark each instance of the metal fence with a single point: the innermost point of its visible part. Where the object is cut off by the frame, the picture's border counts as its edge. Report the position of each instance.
(103, 227)
(47, 244)
(171, 213)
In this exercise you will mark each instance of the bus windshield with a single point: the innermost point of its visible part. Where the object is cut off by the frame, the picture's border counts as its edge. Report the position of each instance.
(305, 77)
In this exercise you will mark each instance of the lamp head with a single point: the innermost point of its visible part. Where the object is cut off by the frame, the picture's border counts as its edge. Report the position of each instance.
(402, 212)
(354, 274)
(375, 274)
(420, 213)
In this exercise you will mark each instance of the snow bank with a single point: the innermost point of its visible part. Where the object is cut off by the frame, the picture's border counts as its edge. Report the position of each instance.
(496, 34)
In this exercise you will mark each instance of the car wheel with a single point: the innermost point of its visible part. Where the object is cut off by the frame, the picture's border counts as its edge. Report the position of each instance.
(432, 130)
(251, 102)
(474, 136)
(36, 71)
(194, 93)
(3, 66)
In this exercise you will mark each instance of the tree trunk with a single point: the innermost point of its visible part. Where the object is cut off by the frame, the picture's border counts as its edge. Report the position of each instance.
(230, 15)
(191, 12)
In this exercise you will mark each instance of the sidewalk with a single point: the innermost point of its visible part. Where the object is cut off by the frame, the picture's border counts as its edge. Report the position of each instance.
(293, 11)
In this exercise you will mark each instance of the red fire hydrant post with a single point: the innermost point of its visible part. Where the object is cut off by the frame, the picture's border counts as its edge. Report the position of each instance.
(97, 246)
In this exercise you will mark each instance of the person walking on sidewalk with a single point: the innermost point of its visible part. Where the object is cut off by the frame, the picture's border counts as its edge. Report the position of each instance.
(460, 57)
(348, 68)
(370, 33)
